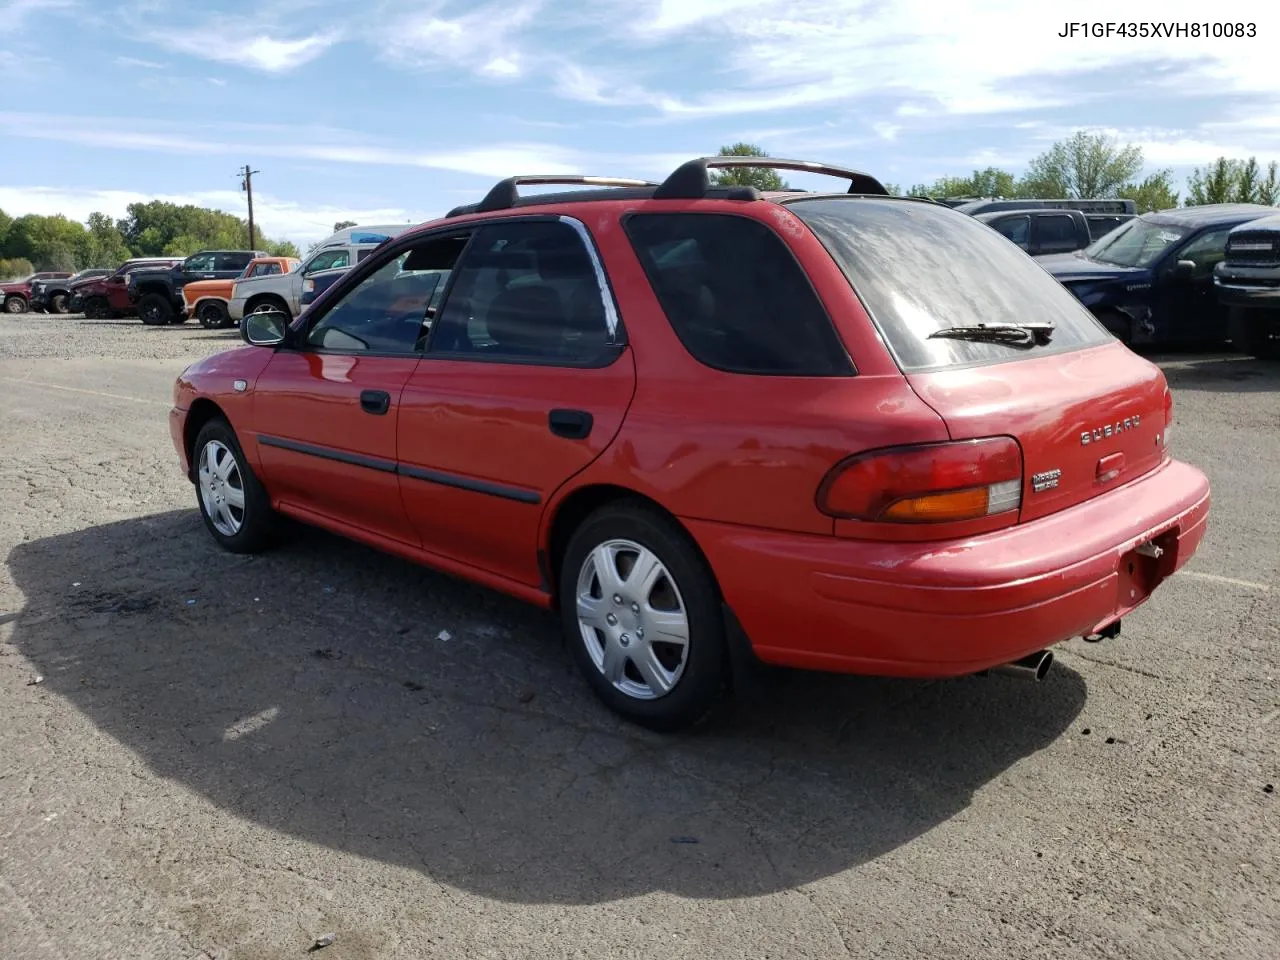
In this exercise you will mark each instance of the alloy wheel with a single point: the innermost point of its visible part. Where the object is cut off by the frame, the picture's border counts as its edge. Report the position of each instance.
(222, 488)
(633, 620)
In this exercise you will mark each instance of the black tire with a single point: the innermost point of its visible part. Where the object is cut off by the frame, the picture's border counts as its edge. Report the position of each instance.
(1255, 332)
(213, 315)
(15, 305)
(58, 303)
(702, 681)
(155, 310)
(259, 524)
(96, 308)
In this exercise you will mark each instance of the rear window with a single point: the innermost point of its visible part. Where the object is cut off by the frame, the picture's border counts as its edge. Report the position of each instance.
(736, 296)
(920, 267)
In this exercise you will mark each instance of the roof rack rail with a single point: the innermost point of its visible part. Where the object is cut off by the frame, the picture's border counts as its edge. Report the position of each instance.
(504, 195)
(692, 180)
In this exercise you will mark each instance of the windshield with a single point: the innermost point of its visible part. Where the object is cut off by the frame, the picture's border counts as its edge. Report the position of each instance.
(919, 268)
(1138, 243)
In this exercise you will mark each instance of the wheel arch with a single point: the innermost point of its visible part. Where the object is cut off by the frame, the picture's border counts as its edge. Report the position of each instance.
(568, 512)
(267, 296)
(201, 411)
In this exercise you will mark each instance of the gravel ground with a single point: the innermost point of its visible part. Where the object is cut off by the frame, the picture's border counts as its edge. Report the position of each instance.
(229, 758)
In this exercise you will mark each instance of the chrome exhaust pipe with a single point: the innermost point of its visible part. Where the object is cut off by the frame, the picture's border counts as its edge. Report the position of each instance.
(1031, 667)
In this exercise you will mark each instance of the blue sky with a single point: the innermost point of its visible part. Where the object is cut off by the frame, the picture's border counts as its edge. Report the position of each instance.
(396, 110)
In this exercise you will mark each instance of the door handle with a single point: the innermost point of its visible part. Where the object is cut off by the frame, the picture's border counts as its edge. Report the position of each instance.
(375, 401)
(574, 424)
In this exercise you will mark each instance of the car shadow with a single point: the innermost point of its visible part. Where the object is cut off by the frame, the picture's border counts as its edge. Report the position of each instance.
(352, 700)
(1220, 373)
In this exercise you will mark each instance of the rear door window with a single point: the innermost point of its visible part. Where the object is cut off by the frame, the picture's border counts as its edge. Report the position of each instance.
(736, 296)
(1017, 229)
(920, 267)
(233, 261)
(1056, 234)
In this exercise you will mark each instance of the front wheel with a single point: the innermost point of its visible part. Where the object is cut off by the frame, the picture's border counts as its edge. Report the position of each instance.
(96, 308)
(213, 316)
(641, 614)
(234, 504)
(155, 310)
(15, 305)
(58, 303)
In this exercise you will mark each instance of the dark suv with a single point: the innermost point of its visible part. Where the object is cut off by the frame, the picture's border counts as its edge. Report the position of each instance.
(157, 295)
(1248, 284)
(1151, 280)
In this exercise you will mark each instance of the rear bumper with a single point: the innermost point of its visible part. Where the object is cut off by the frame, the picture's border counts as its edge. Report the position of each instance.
(953, 608)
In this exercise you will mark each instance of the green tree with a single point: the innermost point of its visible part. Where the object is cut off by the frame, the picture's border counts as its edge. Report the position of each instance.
(1269, 189)
(51, 243)
(1216, 183)
(6, 222)
(1155, 192)
(762, 178)
(340, 225)
(282, 248)
(158, 228)
(106, 248)
(1084, 166)
(991, 182)
(1248, 180)
(16, 269)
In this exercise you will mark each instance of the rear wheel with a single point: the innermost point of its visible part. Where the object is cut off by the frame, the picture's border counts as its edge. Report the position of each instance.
(155, 310)
(233, 503)
(58, 303)
(15, 305)
(213, 315)
(641, 614)
(1255, 332)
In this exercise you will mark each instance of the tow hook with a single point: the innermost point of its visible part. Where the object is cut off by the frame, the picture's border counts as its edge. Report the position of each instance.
(1108, 632)
(1151, 550)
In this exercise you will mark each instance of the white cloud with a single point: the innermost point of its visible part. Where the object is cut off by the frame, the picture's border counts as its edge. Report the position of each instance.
(135, 62)
(14, 12)
(483, 40)
(228, 44)
(784, 54)
(490, 160)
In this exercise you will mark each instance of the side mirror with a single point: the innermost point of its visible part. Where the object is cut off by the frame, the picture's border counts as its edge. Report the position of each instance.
(265, 327)
(1184, 268)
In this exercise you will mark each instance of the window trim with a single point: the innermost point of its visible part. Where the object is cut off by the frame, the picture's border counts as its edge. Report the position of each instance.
(1022, 215)
(852, 370)
(607, 356)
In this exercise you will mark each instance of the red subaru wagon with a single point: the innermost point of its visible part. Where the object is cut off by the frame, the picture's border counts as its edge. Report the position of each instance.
(713, 428)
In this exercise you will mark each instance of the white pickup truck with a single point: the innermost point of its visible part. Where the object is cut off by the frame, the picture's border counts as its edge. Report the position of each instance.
(345, 248)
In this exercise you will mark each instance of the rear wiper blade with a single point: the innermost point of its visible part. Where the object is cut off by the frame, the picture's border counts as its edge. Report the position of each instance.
(1014, 334)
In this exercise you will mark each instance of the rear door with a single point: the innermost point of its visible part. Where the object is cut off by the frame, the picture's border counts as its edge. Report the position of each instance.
(1087, 412)
(524, 383)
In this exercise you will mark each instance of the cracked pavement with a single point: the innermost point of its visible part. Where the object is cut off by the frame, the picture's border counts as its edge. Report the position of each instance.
(191, 780)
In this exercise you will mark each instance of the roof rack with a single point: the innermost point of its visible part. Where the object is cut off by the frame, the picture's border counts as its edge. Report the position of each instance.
(692, 180)
(504, 195)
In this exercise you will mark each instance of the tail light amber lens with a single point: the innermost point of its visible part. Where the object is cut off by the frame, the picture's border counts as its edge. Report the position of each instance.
(928, 483)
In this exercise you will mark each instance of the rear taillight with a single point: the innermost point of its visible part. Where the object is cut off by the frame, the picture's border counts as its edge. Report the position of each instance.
(929, 483)
(1168, 416)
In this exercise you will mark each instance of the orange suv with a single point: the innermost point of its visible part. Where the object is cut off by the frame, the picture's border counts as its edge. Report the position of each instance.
(712, 428)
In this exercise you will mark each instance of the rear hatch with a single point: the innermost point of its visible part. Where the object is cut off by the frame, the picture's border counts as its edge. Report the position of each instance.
(1087, 413)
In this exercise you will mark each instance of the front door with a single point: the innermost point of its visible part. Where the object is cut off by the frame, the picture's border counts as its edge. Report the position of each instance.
(326, 413)
(1187, 308)
(524, 383)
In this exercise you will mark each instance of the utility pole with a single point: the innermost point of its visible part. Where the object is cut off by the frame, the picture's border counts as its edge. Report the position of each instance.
(246, 184)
